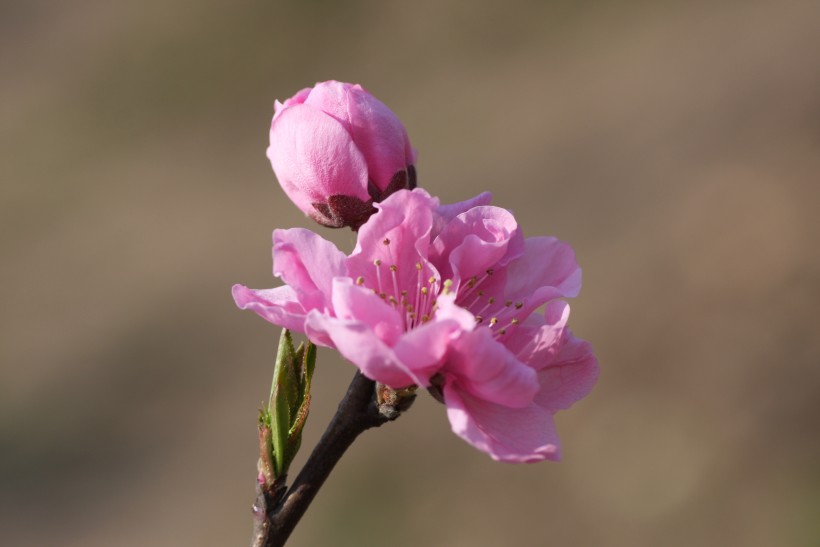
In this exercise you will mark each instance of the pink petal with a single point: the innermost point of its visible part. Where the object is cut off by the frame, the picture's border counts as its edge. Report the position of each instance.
(396, 235)
(483, 367)
(298, 98)
(483, 237)
(315, 157)
(376, 130)
(423, 348)
(279, 305)
(546, 263)
(308, 263)
(354, 303)
(361, 346)
(537, 340)
(569, 378)
(515, 435)
(446, 213)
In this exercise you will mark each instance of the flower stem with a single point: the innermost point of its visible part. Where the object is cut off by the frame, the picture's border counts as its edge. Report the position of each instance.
(358, 411)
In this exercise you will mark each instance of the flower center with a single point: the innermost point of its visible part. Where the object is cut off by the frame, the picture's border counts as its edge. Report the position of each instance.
(488, 310)
(415, 302)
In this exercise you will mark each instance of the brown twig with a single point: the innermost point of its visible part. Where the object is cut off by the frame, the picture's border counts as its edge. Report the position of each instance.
(277, 512)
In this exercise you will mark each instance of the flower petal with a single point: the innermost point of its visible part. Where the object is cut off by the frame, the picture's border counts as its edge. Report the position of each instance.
(569, 378)
(479, 239)
(298, 98)
(376, 130)
(423, 349)
(396, 235)
(279, 306)
(446, 213)
(483, 367)
(515, 435)
(537, 340)
(308, 263)
(358, 343)
(354, 303)
(315, 157)
(547, 263)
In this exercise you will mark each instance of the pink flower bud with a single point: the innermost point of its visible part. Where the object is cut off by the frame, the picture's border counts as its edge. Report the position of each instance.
(336, 150)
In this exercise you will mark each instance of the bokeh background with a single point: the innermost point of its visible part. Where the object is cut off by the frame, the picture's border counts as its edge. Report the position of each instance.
(675, 144)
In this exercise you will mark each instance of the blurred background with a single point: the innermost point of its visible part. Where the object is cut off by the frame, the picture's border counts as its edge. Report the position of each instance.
(674, 144)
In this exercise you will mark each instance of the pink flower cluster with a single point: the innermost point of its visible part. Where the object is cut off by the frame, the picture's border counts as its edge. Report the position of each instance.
(445, 297)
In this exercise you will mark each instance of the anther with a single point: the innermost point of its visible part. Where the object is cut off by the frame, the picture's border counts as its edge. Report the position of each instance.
(394, 268)
(386, 241)
(519, 305)
(508, 303)
(360, 280)
(479, 319)
(418, 266)
(493, 321)
(377, 262)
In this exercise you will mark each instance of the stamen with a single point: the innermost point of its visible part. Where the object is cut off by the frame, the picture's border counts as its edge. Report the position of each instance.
(360, 281)
(424, 295)
(473, 283)
(393, 270)
(386, 241)
(512, 323)
(418, 292)
(490, 302)
(378, 264)
(474, 302)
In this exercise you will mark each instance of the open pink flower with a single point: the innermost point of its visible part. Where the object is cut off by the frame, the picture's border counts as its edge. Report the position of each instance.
(383, 307)
(335, 149)
(444, 297)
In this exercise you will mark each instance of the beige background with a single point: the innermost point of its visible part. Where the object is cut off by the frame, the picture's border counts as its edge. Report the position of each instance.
(674, 144)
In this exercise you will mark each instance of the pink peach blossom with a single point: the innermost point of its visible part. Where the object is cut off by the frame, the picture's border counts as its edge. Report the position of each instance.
(444, 297)
(336, 149)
